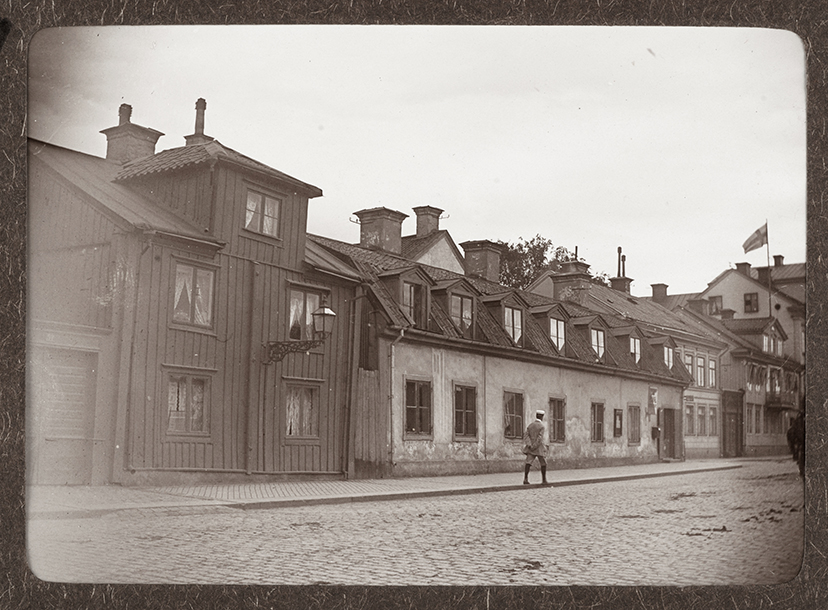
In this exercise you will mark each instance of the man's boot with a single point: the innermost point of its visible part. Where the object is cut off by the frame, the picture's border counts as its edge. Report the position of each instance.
(526, 474)
(543, 474)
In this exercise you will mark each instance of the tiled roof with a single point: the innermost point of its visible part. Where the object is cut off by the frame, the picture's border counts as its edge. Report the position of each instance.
(197, 154)
(94, 176)
(370, 263)
(747, 326)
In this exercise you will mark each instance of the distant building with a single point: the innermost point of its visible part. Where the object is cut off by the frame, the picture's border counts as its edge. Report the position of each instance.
(762, 320)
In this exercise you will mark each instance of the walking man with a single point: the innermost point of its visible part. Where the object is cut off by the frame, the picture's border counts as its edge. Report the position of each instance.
(534, 447)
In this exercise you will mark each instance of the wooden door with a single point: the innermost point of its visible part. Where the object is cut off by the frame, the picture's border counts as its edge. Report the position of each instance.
(63, 409)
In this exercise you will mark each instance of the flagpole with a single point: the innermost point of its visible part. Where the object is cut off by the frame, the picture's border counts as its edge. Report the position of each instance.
(767, 251)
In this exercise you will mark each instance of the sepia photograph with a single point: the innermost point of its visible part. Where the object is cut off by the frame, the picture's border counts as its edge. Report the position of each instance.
(416, 305)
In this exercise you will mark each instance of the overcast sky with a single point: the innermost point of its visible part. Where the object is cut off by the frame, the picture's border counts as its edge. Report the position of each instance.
(674, 143)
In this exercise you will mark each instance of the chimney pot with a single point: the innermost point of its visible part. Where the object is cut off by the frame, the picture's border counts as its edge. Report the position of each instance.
(124, 114)
(743, 268)
(128, 141)
(778, 260)
(198, 136)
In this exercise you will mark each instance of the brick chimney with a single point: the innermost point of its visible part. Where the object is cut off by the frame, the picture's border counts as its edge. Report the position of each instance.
(482, 259)
(198, 137)
(659, 292)
(381, 229)
(743, 268)
(428, 219)
(571, 281)
(727, 314)
(128, 141)
(764, 275)
(778, 260)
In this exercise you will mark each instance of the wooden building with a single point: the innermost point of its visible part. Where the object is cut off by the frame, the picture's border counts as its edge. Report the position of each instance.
(157, 281)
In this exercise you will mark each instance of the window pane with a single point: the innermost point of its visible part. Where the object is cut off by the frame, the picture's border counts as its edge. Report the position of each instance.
(297, 310)
(253, 213)
(197, 406)
(183, 293)
(176, 402)
(203, 297)
(311, 305)
(270, 221)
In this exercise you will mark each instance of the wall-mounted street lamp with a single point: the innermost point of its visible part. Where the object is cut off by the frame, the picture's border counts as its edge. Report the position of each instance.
(323, 321)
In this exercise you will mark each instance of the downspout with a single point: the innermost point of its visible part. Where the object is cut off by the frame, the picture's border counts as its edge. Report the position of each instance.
(392, 359)
(128, 415)
(355, 334)
(485, 412)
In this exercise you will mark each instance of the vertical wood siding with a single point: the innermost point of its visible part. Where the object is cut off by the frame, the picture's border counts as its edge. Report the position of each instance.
(230, 354)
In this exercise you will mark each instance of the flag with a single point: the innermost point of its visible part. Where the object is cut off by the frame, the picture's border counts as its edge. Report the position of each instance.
(757, 240)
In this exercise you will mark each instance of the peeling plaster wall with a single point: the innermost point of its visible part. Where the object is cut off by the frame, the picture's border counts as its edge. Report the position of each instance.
(441, 453)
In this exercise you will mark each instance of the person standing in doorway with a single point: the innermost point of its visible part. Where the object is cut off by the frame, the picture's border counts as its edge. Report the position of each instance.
(534, 447)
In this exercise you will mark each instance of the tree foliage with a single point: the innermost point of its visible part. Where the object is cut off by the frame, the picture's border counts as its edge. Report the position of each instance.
(523, 261)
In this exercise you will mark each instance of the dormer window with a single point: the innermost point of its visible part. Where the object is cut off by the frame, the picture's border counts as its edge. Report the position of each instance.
(635, 349)
(414, 303)
(462, 313)
(598, 341)
(262, 214)
(668, 356)
(557, 332)
(513, 323)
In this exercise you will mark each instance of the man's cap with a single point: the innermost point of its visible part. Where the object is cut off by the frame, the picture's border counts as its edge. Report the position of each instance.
(540, 413)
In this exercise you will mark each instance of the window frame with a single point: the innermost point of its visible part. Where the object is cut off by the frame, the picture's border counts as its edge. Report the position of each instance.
(464, 389)
(516, 417)
(701, 370)
(713, 425)
(189, 376)
(316, 421)
(689, 419)
(261, 215)
(751, 302)
(306, 330)
(598, 341)
(557, 333)
(701, 420)
(195, 267)
(419, 383)
(467, 332)
(597, 428)
(669, 355)
(511, 328)
(417, 309)
(635, 349)
(557, 419)
(711, 372)
(715, 304)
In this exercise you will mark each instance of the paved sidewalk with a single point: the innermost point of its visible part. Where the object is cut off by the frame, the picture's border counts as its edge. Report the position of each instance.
(54, 502)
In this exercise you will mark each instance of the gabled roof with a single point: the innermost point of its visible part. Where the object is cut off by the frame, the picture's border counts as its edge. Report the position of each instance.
(755, 282)
(414, 247)
(200, 154)
(93, 177)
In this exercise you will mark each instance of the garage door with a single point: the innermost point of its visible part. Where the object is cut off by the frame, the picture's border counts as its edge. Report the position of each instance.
(63, 387)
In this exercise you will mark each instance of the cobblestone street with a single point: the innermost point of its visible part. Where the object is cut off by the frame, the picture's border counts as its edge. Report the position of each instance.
(740, 526)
